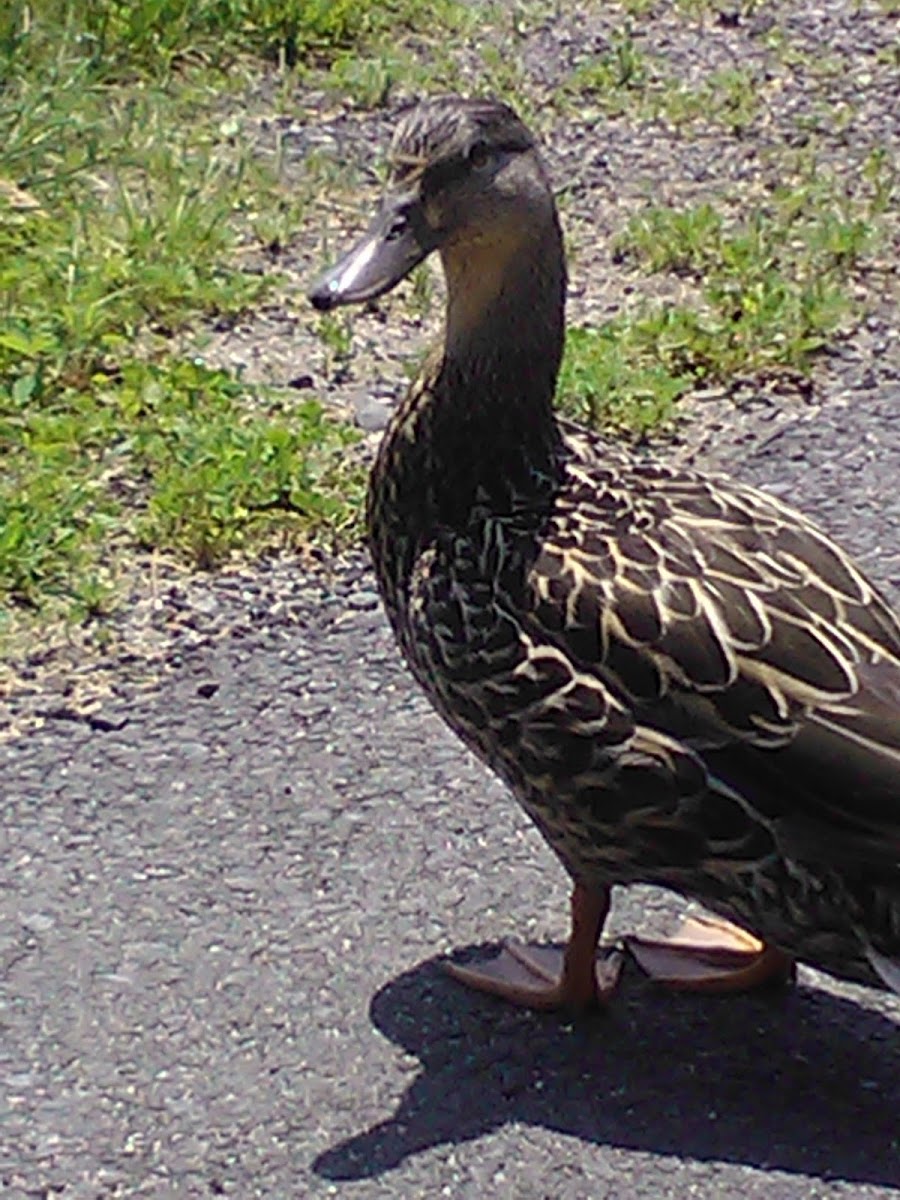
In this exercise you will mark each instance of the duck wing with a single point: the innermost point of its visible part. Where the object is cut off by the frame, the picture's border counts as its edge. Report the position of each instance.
(729, 622)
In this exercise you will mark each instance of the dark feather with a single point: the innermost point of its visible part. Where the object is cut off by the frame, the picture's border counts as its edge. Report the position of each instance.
(682, 679)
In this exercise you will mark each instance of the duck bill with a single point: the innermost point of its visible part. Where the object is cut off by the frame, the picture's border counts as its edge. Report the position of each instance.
(396, 241)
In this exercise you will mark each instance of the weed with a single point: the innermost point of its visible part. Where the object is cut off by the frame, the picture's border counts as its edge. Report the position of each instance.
(770, 292)
(625, 79)
(245, 476)
(730, 98)
(335, 331)
(882, 179)
(615, 79)
(664, 239)
(141, 242)
(173, 455)
(367, 80)
(604, 383)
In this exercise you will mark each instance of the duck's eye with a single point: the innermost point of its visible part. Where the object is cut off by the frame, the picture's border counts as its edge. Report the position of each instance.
(479, 155)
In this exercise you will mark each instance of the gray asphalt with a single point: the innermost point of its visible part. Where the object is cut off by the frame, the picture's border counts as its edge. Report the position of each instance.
(222, 904)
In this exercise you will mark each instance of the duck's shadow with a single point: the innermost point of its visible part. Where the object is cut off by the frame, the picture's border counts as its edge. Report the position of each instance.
(802, 1080)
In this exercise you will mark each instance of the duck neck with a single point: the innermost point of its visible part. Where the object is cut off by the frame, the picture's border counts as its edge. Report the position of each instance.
(492, 418)
(476, 434)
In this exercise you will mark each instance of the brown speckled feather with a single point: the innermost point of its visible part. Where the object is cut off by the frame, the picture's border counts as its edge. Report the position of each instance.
(682, 680)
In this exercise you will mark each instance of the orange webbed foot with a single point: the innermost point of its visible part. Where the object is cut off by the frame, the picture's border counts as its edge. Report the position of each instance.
(544, 978)
(709, 954)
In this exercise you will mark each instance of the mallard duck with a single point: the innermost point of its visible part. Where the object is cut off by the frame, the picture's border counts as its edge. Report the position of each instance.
(683, 681)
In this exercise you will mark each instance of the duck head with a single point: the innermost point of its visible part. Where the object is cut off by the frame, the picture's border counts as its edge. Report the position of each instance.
(466, 181)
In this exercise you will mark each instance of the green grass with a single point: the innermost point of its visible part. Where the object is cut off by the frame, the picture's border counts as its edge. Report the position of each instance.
(171, 456)
(770, 292)
(132, 210)
(123, 38)
(613, 376)
(139, 204)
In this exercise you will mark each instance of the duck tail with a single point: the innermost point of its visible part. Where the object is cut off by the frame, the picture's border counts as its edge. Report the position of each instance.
(887, 968)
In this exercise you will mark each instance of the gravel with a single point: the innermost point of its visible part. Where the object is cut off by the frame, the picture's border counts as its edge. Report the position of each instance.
(221, 899)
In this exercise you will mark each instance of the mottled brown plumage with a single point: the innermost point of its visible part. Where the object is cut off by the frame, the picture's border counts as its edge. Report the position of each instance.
(683, 681)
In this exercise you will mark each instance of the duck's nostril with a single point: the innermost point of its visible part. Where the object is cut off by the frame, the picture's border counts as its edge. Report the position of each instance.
(397, 227)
